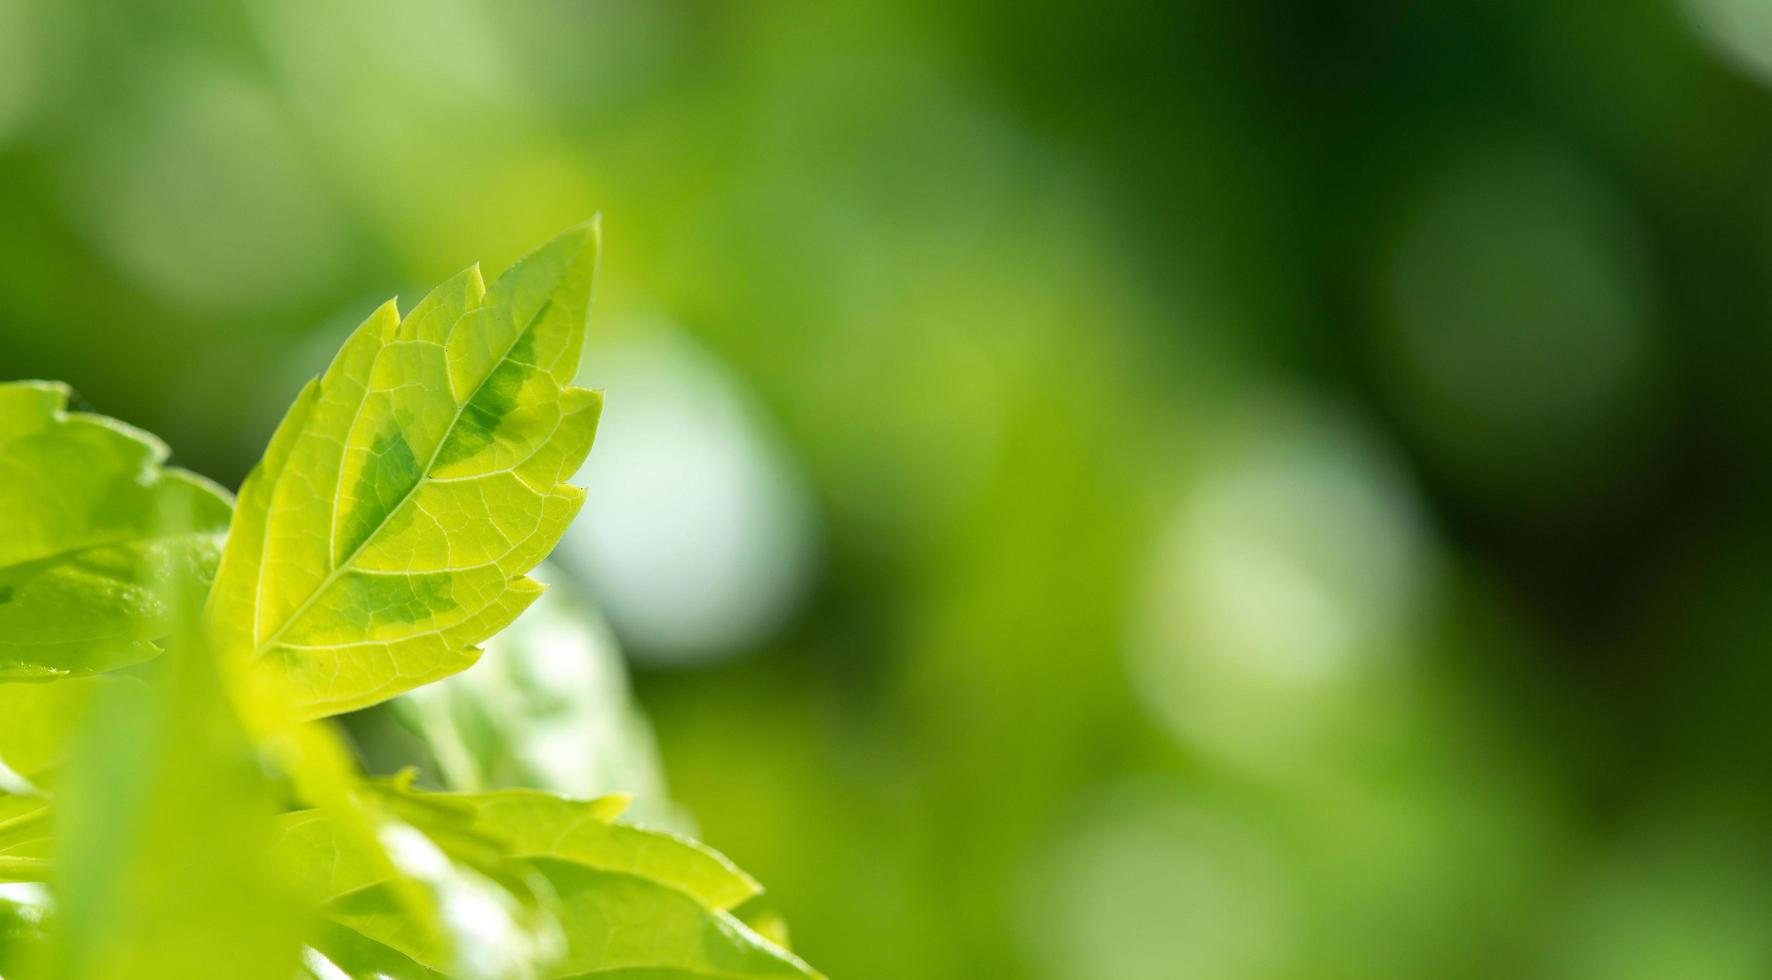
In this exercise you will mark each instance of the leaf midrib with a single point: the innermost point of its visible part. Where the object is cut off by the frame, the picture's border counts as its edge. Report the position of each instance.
(270, 642)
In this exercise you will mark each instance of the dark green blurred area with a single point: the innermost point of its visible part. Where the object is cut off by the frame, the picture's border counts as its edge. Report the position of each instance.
(1225, 491)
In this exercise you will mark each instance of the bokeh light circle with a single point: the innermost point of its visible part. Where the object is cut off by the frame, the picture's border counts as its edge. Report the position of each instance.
(1146, 883)
(1286, 572)
(1738, 30)
(1516, 323)
(698, 537)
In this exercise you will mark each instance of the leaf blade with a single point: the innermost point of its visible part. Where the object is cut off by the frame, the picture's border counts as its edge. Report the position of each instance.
(99, 530)
(389, 528)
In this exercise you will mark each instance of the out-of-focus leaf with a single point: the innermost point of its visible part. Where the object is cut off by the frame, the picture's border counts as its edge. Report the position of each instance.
(24, 838)
(343, 949)
(164, 830)
(768, 923)
(537, 825)
(547, 708)
(449, 898)
(321, 861)
(630, 899)
(628, 902)
(37, 722)
(23, 909)
(94, 522)
(623, 925)
(480, 914)
(493, 930)
(387, 530)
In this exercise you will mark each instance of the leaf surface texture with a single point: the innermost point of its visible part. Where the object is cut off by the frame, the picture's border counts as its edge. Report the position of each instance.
(388, 528)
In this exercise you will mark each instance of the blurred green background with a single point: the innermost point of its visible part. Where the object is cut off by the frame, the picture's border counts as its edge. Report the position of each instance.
(1088, 491)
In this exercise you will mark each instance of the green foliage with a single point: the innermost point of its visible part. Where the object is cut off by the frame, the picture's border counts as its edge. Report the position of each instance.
(624, 898)
(95, 526)
(388, 530)
(41, 720)
(24, 838)
(195, 813)
(548, 708)
(164, 825)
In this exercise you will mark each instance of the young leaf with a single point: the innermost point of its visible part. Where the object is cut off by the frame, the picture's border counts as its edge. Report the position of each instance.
(97, 530)
(629, 902)
(388, 528)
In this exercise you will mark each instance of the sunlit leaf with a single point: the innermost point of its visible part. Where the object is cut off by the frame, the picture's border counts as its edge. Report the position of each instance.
(537, 825)
(163, 840)
(95, 525)
(38, 720)
(630, 899)
(25, 842)
(625, 925)
(628, 902)
(387, 530)
(548, 707)
(23, 908)
(340, 950)
(480, 914)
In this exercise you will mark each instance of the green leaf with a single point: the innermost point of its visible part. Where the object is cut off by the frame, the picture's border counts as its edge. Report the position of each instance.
(384, 535)
(39, 721)
(97, 530)
(623, 925)
(632, 901)
(548, 707)
(22, 937)
(386, 532)
(25, 842)
(484, 916)
(629, 902)
(536, 825)
(163, 830)
(341, 949)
